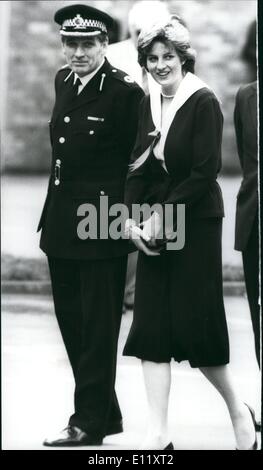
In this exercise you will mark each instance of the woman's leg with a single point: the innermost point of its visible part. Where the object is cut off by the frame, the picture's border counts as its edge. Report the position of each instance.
(157, 379)
(240, 415)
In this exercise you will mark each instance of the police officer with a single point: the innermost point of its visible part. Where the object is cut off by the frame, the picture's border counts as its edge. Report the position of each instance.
(93, 128)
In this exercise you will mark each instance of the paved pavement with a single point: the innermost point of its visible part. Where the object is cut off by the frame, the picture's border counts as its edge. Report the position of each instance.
(23, 198)
(37, 384)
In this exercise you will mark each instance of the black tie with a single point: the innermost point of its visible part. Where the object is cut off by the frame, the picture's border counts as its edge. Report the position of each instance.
(73, 91)
(76, 86)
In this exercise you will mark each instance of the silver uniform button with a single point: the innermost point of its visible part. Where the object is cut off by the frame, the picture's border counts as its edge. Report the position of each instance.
(66, 119)
(91, 132)
(57, 182)
(62, 140)
(114, 70)
(102, 193)
(128, 79)
(58, 161)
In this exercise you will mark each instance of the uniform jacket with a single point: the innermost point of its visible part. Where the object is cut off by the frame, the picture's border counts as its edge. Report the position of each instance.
(245, 119)
(92, 136)
(192, 155)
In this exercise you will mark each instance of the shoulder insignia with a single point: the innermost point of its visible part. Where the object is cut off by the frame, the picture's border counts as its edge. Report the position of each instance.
(128, 79)
(123, 77)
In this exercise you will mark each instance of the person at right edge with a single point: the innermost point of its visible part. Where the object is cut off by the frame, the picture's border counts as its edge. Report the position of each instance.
(247, 227)
(247, 210)
(247, 220)
(179, 309)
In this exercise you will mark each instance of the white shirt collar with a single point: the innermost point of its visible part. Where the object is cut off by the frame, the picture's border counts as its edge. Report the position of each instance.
(84, 80)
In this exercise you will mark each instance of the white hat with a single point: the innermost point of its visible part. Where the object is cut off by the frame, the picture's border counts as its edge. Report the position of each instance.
(146, 12)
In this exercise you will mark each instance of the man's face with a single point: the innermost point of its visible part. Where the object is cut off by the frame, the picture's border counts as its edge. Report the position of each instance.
(84, 55)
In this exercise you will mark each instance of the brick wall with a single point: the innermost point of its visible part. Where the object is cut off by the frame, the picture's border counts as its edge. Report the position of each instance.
(218, 29)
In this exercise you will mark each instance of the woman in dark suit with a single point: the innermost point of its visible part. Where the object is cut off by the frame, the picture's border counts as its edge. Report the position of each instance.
(179, 310)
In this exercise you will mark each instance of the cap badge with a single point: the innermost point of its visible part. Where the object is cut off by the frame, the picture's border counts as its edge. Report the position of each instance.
(79, 22)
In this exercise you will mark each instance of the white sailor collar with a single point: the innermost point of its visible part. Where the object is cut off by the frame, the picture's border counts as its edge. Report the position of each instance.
(188, 86)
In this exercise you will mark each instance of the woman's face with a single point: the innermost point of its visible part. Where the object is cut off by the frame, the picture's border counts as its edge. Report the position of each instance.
(164, 65)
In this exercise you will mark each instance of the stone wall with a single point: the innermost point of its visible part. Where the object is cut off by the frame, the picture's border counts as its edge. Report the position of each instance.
(218, 29)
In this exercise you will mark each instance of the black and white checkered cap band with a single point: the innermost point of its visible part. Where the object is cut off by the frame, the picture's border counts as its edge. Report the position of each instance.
(79, 24)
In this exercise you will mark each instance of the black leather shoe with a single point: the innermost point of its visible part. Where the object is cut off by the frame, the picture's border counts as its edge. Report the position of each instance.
(72, 436)
(169, 446)
(252, 412)
(113, 427)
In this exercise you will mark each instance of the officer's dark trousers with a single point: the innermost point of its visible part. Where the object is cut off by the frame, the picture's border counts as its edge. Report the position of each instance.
(88, 296)
(251, 272)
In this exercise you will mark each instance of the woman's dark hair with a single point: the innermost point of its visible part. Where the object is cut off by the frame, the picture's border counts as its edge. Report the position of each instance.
(173, 33)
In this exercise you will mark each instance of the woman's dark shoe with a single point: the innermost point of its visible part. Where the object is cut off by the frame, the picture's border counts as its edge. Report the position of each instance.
(252, 412)
(169, 446)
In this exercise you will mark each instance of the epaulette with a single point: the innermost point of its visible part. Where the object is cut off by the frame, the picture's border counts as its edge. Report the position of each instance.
(67, 72)
(123, 77)
(66, 66)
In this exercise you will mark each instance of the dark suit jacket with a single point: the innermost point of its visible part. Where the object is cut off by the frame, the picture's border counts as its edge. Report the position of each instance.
(98, 130)
(245, 119)
(192, 155)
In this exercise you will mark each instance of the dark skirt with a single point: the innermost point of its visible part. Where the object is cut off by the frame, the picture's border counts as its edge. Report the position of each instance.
(179, 309)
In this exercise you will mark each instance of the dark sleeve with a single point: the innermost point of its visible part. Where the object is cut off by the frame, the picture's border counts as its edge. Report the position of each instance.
(238, 128)
(136, 181)
(56, 83)
(206, 162)
(129, 125)
(42, 217)
(60, 76)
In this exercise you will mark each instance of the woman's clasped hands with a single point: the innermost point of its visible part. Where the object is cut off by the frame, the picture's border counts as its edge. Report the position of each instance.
(145, 234)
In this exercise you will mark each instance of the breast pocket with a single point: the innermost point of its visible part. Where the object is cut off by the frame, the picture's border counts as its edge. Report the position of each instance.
(83, 140)
(104, 133)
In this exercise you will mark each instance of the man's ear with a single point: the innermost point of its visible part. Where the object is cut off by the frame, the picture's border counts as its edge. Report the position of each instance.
(105, 45)
(63, 46)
